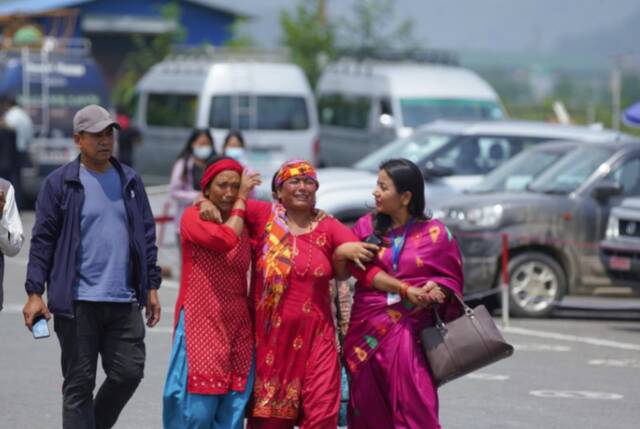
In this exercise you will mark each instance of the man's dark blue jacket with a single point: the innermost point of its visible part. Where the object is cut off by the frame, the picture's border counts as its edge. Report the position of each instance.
(56, 236)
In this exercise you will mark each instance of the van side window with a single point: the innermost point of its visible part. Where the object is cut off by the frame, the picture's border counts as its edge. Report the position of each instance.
(385, 107)
(171, 110)
(259, 113)
(282, 113)
(350, 112)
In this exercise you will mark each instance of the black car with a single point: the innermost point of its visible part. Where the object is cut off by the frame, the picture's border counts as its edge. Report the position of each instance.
(553, 228)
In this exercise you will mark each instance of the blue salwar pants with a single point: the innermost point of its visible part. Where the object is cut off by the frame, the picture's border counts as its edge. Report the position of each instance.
(184, 410)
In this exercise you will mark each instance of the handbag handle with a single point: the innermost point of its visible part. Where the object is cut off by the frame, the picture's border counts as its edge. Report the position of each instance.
(468, 311)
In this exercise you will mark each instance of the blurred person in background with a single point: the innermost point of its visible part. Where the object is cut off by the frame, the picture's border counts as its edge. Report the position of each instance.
(184, 186)
(391, 384)
(211, 370)
(234, 146)
(18, 120)
(128, 137)
(11, 233)
(9, 157)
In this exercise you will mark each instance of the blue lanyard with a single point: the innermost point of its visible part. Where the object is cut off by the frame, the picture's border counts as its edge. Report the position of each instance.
(398, 243)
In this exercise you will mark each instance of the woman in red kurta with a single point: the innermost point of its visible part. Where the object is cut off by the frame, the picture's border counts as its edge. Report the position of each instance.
(210, 377)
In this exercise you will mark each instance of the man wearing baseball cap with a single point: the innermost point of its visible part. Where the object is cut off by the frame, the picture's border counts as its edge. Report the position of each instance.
(93, 250)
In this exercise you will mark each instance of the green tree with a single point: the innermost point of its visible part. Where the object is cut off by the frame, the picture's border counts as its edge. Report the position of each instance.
(309, 37)
(147, 52)
(240, 38)
(373, 28)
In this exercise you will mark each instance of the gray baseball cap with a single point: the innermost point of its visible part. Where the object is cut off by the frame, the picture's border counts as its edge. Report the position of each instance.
(93, 119)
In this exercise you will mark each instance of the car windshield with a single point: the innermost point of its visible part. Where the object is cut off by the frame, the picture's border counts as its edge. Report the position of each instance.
(566, 175)
(414, 148)
(419, 111)
(517, 173)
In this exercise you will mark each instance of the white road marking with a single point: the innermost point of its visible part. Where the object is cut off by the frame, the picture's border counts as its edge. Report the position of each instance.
(573, 338)
(617, 363)
(576, 394)
(538, 347)
(489, 377)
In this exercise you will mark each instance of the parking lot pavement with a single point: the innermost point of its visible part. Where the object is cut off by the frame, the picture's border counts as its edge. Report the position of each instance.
(564, 374)
(572, 371)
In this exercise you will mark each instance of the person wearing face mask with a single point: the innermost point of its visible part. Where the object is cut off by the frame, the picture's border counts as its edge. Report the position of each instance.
(184, 187)
(234, 147)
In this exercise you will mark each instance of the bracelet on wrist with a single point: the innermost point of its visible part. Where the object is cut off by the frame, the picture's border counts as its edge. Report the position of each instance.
(403, 291)
(238, 212)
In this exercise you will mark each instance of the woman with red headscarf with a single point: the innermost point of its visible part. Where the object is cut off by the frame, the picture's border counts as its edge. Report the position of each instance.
(210, 374)
(296, 250)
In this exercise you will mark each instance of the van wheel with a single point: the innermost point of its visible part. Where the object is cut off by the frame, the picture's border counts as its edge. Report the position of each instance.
(536, 283)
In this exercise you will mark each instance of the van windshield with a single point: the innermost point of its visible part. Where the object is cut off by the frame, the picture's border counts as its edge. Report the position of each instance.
(263, 112)
(419, 111)
(414, 148)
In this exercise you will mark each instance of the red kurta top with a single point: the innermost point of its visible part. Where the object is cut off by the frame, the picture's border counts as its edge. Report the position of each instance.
(303, 329)
(213, 294)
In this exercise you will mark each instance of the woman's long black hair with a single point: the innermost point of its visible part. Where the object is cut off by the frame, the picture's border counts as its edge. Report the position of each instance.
(406, 176)
(187, 150)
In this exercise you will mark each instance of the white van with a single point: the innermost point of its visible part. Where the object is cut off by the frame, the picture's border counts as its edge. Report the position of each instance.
(365, 104)
(268, 99)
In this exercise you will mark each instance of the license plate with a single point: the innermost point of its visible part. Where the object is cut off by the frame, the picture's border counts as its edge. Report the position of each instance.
(54, 155)
(620, 263)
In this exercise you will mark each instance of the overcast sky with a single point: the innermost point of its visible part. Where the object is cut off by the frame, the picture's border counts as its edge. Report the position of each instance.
(501, 25)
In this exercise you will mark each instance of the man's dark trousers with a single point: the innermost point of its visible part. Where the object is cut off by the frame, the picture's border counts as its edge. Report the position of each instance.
(115, 331)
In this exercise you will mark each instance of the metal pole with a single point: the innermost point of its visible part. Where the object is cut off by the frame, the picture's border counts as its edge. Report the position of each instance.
(616, 90)
(505, 281)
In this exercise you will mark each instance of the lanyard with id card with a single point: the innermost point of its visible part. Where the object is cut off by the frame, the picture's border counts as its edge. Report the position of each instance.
(397, 244)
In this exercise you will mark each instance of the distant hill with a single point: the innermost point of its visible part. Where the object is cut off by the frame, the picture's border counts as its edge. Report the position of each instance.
(623, 38)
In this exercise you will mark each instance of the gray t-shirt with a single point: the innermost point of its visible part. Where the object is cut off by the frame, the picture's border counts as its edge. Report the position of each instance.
(103, 271)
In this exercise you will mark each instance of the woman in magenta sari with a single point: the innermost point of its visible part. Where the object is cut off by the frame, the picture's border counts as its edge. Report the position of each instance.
(391, 385)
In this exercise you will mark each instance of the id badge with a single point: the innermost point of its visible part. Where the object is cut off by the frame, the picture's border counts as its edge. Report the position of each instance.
(393, 298)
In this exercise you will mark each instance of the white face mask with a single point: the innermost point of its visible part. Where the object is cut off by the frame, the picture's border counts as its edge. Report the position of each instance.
(202, 152)
(234, 152)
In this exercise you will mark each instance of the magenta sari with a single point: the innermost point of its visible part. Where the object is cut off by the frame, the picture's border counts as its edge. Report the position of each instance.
(391, 386)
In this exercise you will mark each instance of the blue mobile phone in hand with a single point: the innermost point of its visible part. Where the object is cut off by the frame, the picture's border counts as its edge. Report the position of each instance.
(40, 328)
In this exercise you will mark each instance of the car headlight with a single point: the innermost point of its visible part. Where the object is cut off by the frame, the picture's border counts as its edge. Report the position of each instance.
(473, 218)
(613, 227)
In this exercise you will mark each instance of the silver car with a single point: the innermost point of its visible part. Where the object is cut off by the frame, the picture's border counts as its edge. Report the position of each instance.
(453, 156)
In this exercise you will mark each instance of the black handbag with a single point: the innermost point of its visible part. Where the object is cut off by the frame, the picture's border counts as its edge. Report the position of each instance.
(470, 342)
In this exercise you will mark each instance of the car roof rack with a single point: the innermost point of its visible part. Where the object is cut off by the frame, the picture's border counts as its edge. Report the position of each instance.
(210, 53)
(427, 56)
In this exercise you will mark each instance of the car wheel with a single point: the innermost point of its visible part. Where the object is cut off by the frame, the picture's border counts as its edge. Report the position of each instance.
(536, 283)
